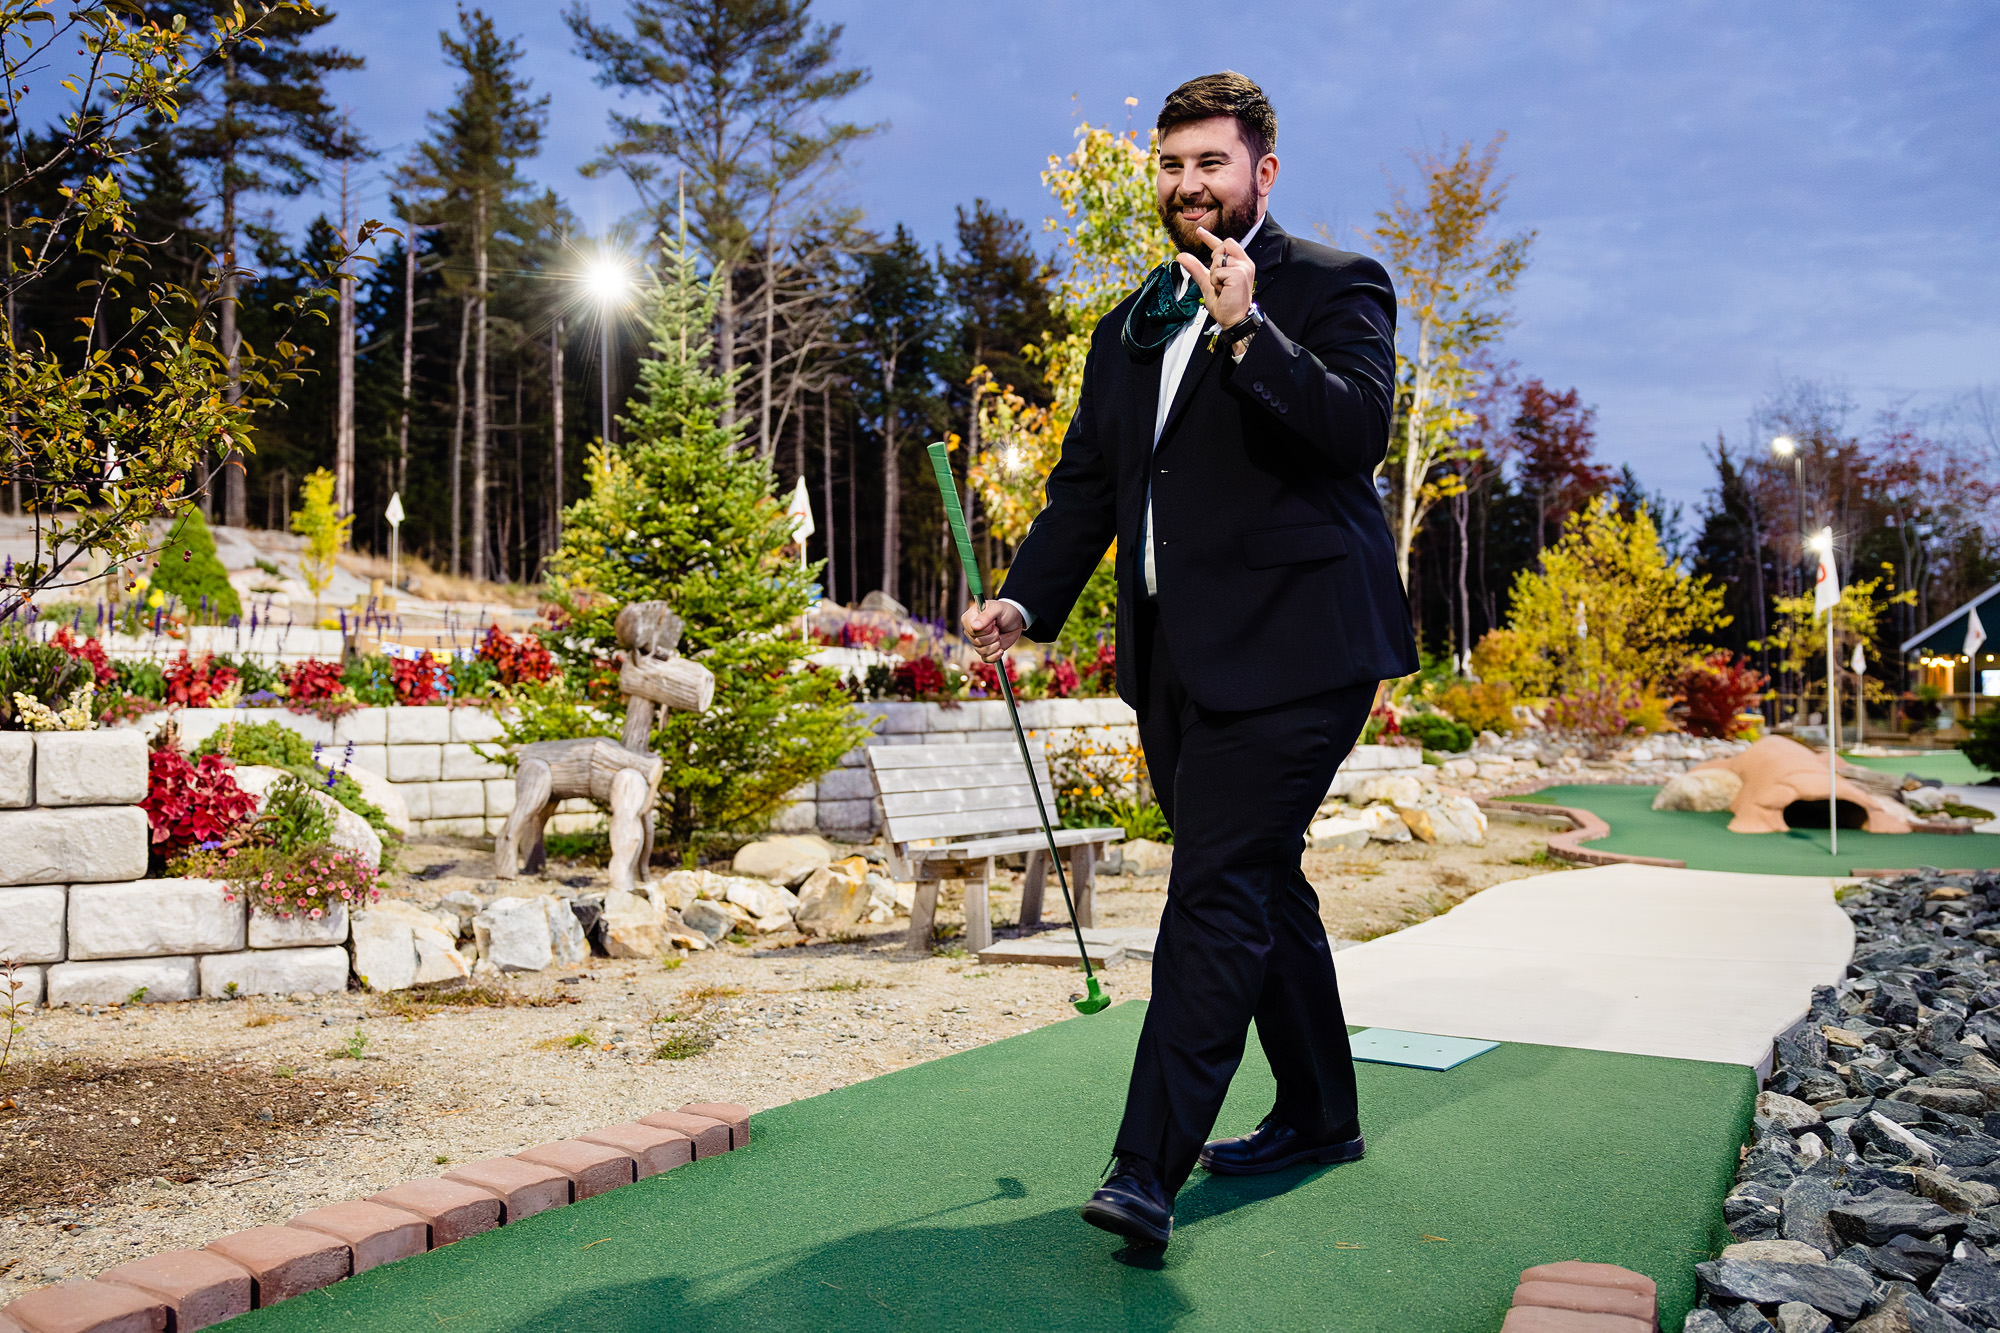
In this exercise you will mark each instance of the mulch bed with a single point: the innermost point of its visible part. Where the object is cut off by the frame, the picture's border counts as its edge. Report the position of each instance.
(76, 1130)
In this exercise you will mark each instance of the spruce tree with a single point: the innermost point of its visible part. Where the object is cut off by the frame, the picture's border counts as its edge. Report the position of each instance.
(677, 512)
(190, 571)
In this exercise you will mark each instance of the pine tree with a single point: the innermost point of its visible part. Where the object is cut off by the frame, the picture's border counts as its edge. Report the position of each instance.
(191, 572)
(466, 174)
(679, 513)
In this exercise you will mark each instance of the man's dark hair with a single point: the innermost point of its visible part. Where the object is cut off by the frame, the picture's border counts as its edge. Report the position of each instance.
(1224, 94)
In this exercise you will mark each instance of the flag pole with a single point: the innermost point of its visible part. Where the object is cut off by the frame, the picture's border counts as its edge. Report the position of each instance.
(1832, 741)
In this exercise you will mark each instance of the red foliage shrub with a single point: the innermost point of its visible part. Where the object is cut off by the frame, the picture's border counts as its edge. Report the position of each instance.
(1103, 669)
(1602, 709)
(1063, 681)
(1716, 690)
(89, 650)
(196, 682)
(191, 802)
(920, 678)
(313, 679)
(416, 680)
(516, 660)
(986, 681)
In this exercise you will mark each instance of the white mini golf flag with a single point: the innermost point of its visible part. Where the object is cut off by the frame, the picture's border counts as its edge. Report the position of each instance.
(1860, 664)
(801, 513)
(1826, 590)
(394, 513)
(1975, 632)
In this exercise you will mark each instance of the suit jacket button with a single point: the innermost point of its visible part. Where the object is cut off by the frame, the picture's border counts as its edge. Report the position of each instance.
(1258, 386)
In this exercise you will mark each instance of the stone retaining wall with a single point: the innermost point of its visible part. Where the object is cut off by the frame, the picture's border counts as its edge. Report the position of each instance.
(84, 925)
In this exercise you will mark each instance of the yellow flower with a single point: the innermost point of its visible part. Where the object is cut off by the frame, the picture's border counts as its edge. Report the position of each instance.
(141, 582)
(157, 598)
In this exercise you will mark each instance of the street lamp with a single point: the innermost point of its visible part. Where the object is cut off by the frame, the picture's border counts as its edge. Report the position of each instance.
(609, 281)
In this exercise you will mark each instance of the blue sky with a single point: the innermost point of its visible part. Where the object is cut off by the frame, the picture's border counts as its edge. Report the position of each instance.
(1723, 193)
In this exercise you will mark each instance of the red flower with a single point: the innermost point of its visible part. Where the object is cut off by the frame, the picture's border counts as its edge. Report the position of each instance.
(196, 682)
(312, 679)
(1063, 681)
(416, 679)
(516, 660)
(987, 681)
(919, 678)
(190, 802)
(90, 650)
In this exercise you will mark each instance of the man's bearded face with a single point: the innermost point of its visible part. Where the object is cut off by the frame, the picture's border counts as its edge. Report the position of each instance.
(1208, 179)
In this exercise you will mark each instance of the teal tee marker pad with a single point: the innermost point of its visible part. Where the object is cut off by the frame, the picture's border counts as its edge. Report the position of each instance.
(1415, 1050)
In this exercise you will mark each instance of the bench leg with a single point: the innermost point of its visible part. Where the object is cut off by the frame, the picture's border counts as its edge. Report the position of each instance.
(1034, 878)
(979, 909)
(1083, 883)
(923, 913)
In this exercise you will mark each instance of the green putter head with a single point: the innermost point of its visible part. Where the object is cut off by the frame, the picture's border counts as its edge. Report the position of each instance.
(1094, 1001)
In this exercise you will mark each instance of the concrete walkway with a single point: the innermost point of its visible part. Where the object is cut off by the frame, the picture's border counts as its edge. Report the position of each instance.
(1691, 964)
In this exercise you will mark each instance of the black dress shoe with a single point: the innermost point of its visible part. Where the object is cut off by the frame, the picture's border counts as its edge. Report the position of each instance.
(1273, 1147)
(1133, 1205)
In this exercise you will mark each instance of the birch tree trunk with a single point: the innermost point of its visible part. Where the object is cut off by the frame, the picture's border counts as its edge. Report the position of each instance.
(478, 563)
(458, 433)
(556, 430)
(892, 483)
(343, 418)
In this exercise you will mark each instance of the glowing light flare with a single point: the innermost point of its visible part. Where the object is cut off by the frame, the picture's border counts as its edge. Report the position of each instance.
(608, 279)
(1784, 446)
(1821, 542)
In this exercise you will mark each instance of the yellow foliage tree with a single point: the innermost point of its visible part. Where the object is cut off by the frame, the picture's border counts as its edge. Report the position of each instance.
(1111, 236)
(1798, 638)
(1606, 608)
(325, 531)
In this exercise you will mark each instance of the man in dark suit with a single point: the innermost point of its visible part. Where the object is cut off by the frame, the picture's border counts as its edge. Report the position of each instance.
(1233, 412)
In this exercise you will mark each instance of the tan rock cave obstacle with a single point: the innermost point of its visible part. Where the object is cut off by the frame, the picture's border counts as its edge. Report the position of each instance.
(1757, 785)
(625, 774)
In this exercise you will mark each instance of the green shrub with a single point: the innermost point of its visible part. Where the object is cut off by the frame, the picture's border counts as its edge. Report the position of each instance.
(1435, 731)
(275, 745)
(190, 572)
(42, 672)
(1982, 747)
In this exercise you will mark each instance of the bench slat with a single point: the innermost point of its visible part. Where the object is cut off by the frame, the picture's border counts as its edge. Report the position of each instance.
(964, 824)
(1015, 842)
(904, 805)
(882, 757)
(957, 779)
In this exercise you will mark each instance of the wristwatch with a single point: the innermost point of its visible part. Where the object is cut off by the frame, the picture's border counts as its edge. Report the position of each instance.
(1238, 331)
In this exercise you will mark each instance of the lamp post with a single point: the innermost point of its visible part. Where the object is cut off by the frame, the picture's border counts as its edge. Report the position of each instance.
(609, 281)
(1821, 545)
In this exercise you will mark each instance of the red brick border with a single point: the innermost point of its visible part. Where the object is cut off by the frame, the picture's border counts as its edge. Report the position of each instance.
(191, 1289)
(1588, 828)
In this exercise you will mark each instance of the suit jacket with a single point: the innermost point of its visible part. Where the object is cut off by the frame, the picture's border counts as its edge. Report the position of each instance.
(1275, 569)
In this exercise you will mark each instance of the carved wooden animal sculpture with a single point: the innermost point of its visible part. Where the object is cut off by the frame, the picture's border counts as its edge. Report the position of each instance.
(624, 776)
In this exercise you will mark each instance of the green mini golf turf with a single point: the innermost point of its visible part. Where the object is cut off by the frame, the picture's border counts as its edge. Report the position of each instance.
(1705, 842)
(1943, 765)
(944, 1197)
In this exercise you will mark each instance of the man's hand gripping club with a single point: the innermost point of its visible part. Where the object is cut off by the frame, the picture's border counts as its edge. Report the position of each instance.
(992, 627)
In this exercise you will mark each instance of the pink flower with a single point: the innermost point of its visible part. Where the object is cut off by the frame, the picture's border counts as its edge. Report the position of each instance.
(314, 914)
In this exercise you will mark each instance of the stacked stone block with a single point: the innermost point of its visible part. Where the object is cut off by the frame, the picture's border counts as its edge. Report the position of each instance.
(82, 922)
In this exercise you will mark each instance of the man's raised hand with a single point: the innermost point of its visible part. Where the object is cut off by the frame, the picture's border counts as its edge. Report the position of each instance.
(992, 627)
(1228, 281)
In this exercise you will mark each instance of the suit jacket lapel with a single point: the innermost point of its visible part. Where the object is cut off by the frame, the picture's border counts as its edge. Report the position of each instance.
(1267, 252)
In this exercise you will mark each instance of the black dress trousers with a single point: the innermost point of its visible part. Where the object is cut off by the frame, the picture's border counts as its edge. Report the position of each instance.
(1241, 936)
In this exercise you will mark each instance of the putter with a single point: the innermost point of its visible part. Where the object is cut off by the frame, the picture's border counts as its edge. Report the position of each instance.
(1094, 998)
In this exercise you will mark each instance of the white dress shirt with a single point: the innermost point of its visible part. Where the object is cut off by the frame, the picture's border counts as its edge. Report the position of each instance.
(1173, 365)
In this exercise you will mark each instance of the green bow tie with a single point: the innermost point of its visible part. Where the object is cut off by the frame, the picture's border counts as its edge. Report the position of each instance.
(1158, 314)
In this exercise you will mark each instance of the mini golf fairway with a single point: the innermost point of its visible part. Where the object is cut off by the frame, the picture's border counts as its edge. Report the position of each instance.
(944, 1197)
(1947, 766)
(1705, 842)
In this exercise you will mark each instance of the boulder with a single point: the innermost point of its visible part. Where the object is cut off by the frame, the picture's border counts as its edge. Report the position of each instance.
(709, 918)
(382, 794)
(1145, 857)
(760, 899)
(888, 899)
(788, 859)
(633, 927)
(1418, 820)
(1338, 832)
(568, 945)
(672, 892)
(835, 899)
(397, 945)
(1704, 791)
(1463, 817)
(1384, 824)
(1389, 788)
(513, 934)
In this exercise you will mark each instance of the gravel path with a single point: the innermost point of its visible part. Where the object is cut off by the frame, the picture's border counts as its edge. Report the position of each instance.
(446, 1085)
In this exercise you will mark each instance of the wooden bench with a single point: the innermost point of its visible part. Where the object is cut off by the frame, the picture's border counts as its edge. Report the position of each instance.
(948, 810)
